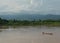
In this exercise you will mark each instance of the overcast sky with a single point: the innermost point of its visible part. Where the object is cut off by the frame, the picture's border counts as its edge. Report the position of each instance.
(30, 6)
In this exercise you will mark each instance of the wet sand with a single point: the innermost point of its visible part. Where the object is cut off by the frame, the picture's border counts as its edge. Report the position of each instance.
(30, 35)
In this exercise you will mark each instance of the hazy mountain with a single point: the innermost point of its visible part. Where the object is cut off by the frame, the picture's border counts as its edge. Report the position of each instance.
(30, 17)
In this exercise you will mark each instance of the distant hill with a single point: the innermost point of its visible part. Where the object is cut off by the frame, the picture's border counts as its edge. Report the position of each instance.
(30, 17)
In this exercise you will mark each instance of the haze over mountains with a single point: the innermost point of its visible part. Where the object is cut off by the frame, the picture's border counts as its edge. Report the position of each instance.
(30, 16)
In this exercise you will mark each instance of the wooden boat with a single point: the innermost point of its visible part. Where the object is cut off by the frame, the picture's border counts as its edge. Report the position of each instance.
(47, 33)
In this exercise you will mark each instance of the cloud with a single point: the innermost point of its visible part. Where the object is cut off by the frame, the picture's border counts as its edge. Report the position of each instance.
(31, 6)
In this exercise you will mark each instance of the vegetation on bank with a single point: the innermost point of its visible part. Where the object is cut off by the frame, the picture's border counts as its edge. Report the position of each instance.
(49, 22)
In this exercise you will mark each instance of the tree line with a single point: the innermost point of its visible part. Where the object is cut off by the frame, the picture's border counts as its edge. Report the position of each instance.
(4, 22)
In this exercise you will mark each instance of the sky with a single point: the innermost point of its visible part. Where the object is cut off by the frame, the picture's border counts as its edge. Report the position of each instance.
(30, 6)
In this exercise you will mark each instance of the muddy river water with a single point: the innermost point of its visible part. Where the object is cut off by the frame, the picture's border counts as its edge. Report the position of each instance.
(29, 34)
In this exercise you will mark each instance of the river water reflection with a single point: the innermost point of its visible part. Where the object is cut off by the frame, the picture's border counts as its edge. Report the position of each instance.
(29, 34)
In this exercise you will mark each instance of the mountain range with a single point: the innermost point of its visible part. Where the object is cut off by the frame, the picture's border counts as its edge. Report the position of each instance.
(30, 16)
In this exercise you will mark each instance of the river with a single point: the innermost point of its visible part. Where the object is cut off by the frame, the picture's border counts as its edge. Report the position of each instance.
(30, 34)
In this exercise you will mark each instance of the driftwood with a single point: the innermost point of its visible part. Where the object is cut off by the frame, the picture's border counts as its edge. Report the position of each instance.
(47, 33)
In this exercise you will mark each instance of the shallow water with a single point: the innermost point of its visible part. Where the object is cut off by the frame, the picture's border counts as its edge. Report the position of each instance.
(30, 35)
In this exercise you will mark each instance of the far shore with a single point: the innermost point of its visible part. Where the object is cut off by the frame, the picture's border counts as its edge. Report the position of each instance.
(18, 23)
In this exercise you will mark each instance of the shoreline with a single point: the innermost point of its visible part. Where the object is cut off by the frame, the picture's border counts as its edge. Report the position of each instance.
(29, 26)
